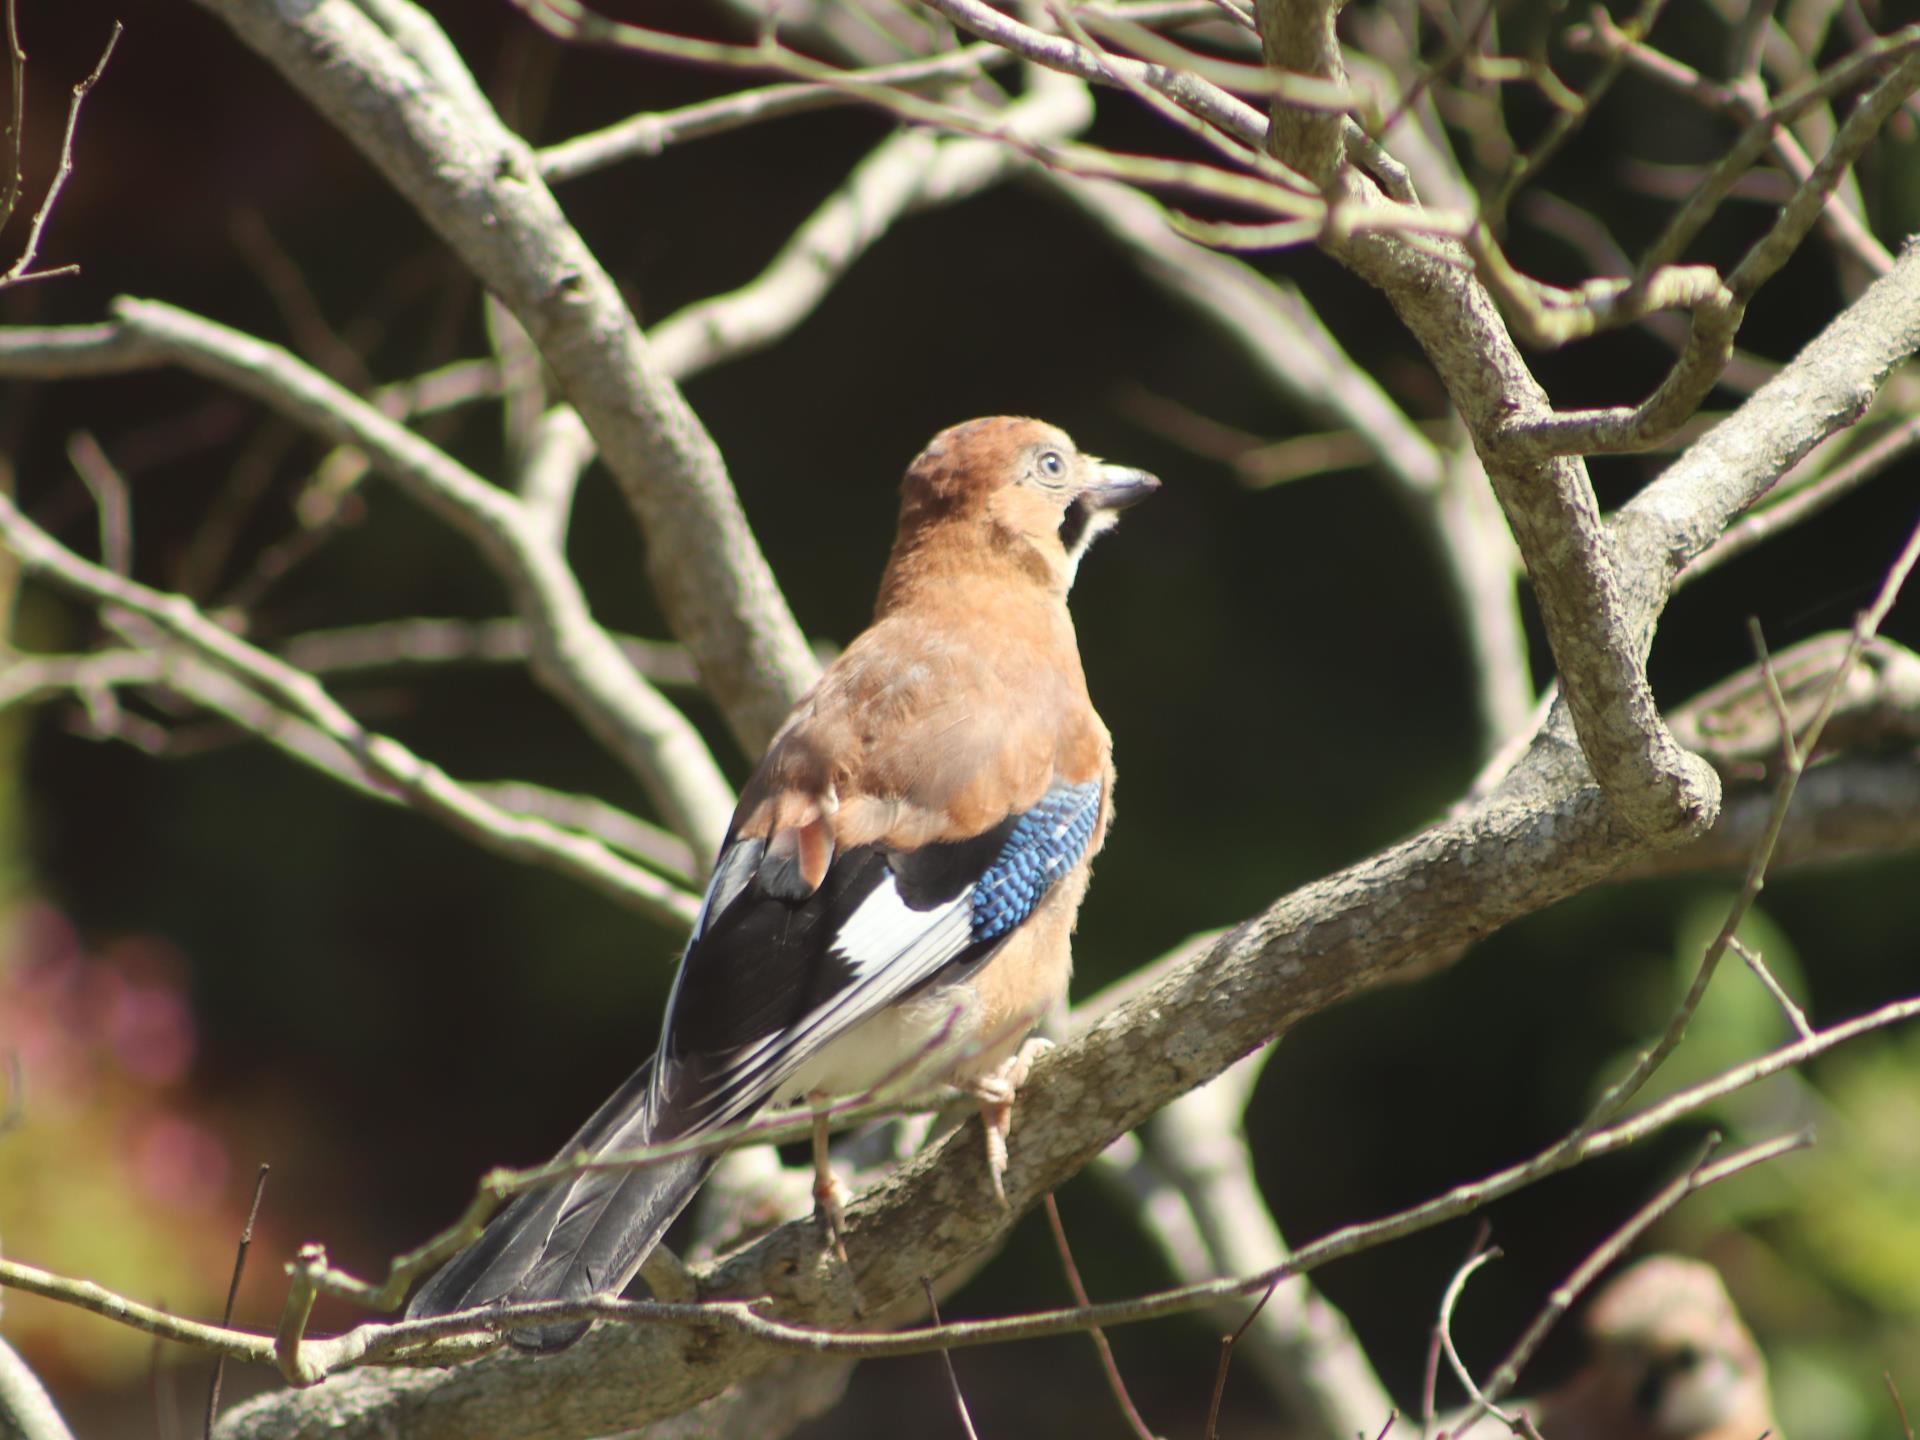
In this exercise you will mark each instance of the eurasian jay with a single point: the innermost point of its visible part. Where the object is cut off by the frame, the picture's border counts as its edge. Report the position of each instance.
(1671, 1361)
(892, 904)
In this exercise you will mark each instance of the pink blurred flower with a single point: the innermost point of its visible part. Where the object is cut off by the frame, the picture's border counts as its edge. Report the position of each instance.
(179, 1163)
(151, 1030)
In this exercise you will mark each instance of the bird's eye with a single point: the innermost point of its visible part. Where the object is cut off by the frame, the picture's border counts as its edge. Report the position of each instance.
(1052, 466)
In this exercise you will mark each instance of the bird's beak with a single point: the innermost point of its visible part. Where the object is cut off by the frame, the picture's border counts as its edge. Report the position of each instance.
(1117, 486)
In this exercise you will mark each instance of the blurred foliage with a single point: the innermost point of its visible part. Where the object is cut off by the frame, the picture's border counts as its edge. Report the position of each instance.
(1823, 1248)
(115, 1167)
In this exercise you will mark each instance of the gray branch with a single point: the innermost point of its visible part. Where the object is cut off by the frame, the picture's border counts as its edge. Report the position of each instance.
(26, 1410)
(479, 186)
(1547, 832)
(571, 654)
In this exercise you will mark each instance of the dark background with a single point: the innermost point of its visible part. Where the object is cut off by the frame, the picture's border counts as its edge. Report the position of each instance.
(383, 1011)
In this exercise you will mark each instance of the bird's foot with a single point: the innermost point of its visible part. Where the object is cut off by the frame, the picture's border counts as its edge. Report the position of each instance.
(830, 1193)
(995, 1091)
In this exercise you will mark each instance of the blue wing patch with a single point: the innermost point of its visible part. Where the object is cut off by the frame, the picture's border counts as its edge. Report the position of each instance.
(1043, 845)
(769, 982)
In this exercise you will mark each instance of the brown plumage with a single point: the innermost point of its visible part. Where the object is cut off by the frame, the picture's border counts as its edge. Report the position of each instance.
(892, 904)
(1670, 1360)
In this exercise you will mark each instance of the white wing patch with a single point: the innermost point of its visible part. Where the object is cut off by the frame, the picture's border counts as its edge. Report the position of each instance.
(885, 930)
(889, 949)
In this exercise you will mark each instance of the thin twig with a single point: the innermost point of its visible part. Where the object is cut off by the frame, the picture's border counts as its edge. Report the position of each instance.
(1698, 1176)
(1795, 1015)
(22, 270)
(109, 490)
(1443, 1329)
(946, 1359)
(1108, 1365)
(1228, 1344)
(1864, 629)
(435, 641)
(384, 761)
(1899, 1406)
(233, 1294)
(1430, 1384)
(11, 175)
(650, 134)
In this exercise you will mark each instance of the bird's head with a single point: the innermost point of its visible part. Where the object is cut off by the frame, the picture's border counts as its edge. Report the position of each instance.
(1013, 489)
(1671, 1361)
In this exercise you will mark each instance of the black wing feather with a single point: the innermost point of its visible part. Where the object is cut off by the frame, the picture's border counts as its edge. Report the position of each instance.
(763, 972)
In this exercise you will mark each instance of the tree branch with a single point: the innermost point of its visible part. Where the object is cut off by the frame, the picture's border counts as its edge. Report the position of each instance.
(646, 1369)
(27, 1412)
(1195, 1170)
(571, 654)
(910, 170)
(479, 186)
(1656, 787)
(650, 134)
(383, 763)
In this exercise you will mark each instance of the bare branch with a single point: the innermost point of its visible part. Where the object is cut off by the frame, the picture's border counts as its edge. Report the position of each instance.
(1193, 1190)
(1828, 386)
(22, 271)
(1697, 1177)
(384, 763)
(26, 1410)
(1746, 99)
(559, 455)
(1796, 751)
(659, 850)
(910, 170)
(1655, 786)
(1809, 499)
(110, 499)
(647, 135)
(1188, 91)
(1717, 308)
(478, 185)
(460, 642)
(736, 1331)
(571, 654)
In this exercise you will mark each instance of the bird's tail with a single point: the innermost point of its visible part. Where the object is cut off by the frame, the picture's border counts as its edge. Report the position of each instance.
(577, 1238)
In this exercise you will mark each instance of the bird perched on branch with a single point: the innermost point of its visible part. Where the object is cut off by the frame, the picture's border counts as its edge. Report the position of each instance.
(892, 904)
(1671, 1361)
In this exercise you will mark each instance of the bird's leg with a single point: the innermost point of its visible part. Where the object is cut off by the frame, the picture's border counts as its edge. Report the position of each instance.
(829, 1194)
(995, 1091)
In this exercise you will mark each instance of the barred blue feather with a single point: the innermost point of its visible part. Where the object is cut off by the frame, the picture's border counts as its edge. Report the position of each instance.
(1044, 844)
